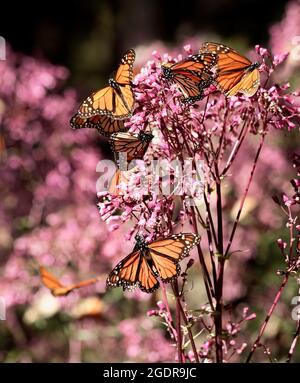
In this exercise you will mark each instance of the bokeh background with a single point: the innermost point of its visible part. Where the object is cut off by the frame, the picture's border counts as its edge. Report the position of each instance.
(58, 52)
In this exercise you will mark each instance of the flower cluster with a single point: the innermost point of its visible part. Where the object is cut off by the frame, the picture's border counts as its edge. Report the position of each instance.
(215, 131)
(190, 132)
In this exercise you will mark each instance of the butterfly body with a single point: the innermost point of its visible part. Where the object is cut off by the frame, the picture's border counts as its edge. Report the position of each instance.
(118, 88)
(117, 99)
(145, 137)
(140, 243)
(253, 66)
(114, 84)
(147, 262)
(167, 72)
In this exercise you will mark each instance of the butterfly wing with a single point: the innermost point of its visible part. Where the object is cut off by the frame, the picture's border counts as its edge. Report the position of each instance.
(131, 144)
(78, 122)
(196, 63)
(100, 102)
(165, 268)
(108, 126)
(53, 284)
(175, 247)
(114, 183)
(191, 87)
(104, 125)
(133, 271)
(123, 78)
(119, 181)
(166, 253)
(114, 103)
(126, 99)
(124, 73)
(248, 84)
(125, 274)
(234, 71)
(49, 280)
(147, 280)
(117, 100)
(191, 75)
(228, 59)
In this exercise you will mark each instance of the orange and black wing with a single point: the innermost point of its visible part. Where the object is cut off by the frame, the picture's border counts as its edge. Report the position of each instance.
(78, 122)
(134, 145)
(191, 85)
(133, 271)
(119, 181)
(58, 289)
(166, 253)
(123, 79)
(116, 100)
(124, 73)
(235, 73)
(49, 280)
(147, 280)
(114, 183)
(53, 284)
(248, 85)
(104, 125)
(197, 64)
(192, 75)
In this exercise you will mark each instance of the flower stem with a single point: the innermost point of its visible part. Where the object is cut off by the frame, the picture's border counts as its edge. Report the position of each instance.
(207, 280)
(236, 147)
(270, 312)
(220, 278)
(294, 342)
(245, 195)
(188, 327)
(169, 318)
(178, 322)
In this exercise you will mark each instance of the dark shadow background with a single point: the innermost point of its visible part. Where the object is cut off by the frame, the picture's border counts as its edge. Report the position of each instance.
(89, 36)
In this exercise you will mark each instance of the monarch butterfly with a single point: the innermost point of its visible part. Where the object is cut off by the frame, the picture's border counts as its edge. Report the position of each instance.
(120, 183)
(57, 289)
(191, 75)
(117, 99)
(147, 262)
(235, 73)
(115, 181)
(120, 178)
(103, 124)
(134, 145)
